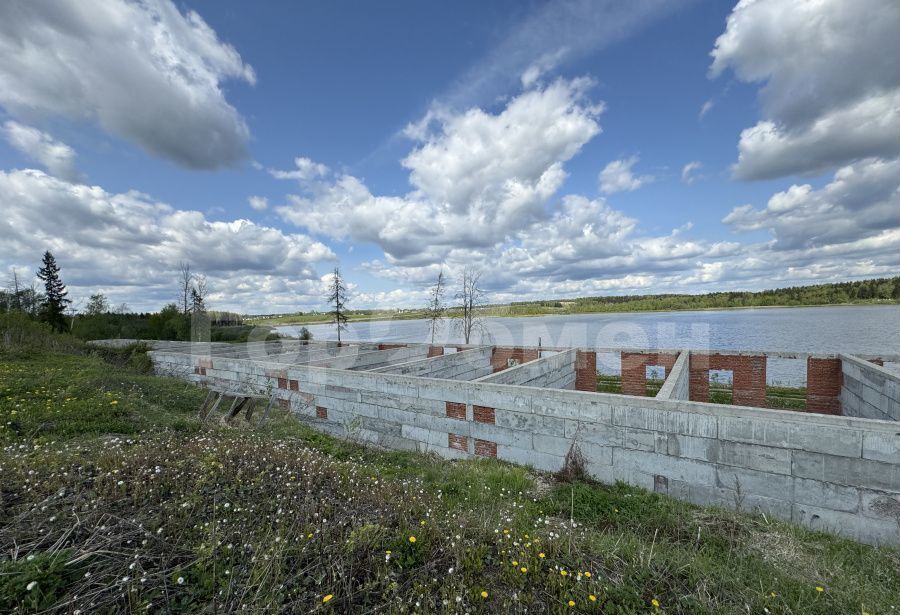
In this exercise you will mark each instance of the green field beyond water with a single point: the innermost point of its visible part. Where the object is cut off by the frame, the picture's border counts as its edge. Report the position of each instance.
(115, 499)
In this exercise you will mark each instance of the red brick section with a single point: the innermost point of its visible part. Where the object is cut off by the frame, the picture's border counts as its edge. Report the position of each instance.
(390, 346)
(483, 414)
(879, 362)
(634, 369)
(748, 371)
(285, 404)
(585, 371)
(295, 385)
(824, 378)
(321, 413)
(460, 443)
(435, 351)
(200, 371)
(500, 357)
(485, 448)
(456, 410)
(282, 383)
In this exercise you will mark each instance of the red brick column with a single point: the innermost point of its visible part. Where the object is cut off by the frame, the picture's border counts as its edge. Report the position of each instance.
(585, 371)
(460, 443)
(634, 373)
(699, 376)
(484, 414)
(824, 378)
(634, 369)
(500, 357)
(749, 382)
(456, 410)
(390, 346)
(435, 351)
(485, 448)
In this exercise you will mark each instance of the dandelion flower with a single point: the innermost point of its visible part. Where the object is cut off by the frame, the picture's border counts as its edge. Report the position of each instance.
(181, 580)
(655, 603)
(484, 594)
(515, 563)
(31, 585)
(819, 588)
(412, 539)
(541, 555)
(592, 598)
(571, 603)
(327, 598)
(587, 574)
(523, 569)
(563, 573)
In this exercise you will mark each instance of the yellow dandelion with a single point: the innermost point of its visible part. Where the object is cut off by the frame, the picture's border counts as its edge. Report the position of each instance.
(422, 522)
(819, 588)
(515, 563)
(327, 598)
(114, 402)
(587, 573)
(571, 603)
(563, 573)
(484, 594)
(412, 539)
(592, 598)
(523, 569)
(655, 603)
(541, 555)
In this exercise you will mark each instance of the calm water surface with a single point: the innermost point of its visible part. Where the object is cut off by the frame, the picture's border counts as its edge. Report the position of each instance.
(849, 329)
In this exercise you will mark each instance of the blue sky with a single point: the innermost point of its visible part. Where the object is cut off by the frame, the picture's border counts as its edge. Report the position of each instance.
(565, 148)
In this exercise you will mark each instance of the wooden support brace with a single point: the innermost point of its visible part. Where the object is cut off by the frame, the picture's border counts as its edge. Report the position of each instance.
(215, 407)
(250, 406)
(265, 416)
(204, 406)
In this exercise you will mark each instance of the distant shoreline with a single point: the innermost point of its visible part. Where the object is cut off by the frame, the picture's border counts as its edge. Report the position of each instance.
(380, 318)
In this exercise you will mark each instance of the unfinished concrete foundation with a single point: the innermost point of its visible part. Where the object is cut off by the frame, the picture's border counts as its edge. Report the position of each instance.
(833, 467)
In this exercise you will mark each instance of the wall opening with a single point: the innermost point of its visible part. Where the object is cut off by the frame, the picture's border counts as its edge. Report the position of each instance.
(721, 386)
(656, 376)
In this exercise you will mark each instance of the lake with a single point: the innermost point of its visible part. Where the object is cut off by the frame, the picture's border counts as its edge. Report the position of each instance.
(866, 329)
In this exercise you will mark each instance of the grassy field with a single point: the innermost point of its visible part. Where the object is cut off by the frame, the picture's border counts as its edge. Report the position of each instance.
(114, 499)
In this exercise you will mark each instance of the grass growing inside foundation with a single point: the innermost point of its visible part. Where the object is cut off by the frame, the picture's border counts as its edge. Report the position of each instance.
(133, 507)
(782, 397)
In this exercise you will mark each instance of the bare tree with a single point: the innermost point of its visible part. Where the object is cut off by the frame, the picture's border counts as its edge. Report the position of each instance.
(198, 294)
(16, 291)
(337, 299)
(436, 307)
(471, 299)
(185, 284)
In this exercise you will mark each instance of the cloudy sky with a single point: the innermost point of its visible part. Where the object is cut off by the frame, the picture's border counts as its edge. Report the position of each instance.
(566, 148)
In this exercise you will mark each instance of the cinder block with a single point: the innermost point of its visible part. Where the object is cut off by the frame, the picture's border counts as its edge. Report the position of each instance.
(882, 446)
(863, 473)
(538, 460)
(826, 495)
(799, 433)
(753, 482)
(675, 468)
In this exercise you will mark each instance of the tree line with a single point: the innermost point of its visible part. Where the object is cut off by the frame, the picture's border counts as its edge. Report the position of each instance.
(48, 302)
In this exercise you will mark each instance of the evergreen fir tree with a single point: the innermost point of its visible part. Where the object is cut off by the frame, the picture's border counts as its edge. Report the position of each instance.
(55, 301)
(337, 297)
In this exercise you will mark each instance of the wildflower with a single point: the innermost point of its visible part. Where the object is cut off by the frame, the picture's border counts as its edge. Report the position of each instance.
(571, 603)
(412, 539)
(563, 573)
(181, 580)
(541, 555)
(327, 598)
(484, 594)
(31, 585)
(523, 569)
(819, 588)
(515, 563)
(587, 574)
(592, 598)
(655, 603)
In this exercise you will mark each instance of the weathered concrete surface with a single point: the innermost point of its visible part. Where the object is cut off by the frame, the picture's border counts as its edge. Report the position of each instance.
(556, 371)
(839, 474)
(678, 380)
(465, 365)
(868, 390)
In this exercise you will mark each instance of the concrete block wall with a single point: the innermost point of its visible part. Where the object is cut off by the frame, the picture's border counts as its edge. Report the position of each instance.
(831, 473)
(465, 365)
(678, 380)
(373, 359)
(556, 371)
(869, 390)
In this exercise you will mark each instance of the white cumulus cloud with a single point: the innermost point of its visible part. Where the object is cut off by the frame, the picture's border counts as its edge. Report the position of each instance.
(141, 70)
(617, 176)
(57, 157)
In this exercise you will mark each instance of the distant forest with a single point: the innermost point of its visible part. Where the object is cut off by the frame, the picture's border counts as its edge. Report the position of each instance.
(862, 291)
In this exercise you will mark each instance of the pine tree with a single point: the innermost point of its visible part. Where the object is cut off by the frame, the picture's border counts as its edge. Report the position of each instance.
(55, 301)
(337, 298)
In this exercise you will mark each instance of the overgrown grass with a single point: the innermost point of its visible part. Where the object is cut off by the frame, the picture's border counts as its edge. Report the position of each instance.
(134, 507)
